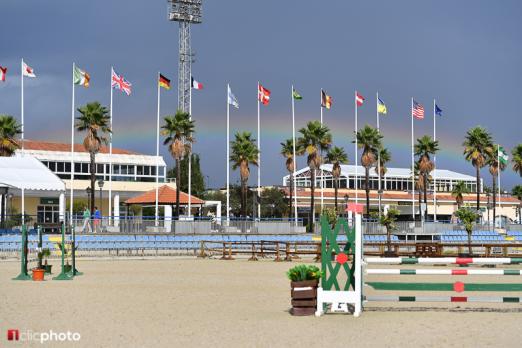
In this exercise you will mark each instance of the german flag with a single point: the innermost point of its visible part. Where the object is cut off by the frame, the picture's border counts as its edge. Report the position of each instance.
(164, 82)
(326, 100)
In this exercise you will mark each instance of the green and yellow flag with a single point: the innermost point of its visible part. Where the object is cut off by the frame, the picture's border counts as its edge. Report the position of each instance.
(296, 95)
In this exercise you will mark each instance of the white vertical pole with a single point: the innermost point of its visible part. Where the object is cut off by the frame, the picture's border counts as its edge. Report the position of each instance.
(110, 156)
(358, 266)
(435, 162)
(156, 207)
(378, 154)
(356, 154)
(190, 158)
(258, 156)
(295, 158)
(227, 159)
(72, 152)
(412, 167)
(23, 134)
(320, 170)
(498, 182)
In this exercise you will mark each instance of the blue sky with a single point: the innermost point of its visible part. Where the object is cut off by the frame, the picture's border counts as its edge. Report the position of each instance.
(466, 54)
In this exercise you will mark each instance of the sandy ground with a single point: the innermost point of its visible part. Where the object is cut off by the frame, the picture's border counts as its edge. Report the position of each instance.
(188, 302)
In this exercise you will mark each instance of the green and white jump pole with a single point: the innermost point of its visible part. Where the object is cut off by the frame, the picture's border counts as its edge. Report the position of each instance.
(63, 274)
(24, 274)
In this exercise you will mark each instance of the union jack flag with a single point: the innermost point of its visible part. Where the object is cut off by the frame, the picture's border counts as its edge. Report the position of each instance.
(417, 111)
(120, 83)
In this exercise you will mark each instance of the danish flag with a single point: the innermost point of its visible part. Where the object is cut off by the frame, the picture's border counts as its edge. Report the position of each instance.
(120, 83)
(359, 99)
(263, 95)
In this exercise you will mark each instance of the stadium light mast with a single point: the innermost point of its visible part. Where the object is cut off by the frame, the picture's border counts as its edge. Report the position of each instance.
(186, 12)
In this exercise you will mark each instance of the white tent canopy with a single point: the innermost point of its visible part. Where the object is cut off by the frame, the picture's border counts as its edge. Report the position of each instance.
(28, 173)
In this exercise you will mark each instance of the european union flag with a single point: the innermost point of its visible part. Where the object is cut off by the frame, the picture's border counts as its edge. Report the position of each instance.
(438, 111)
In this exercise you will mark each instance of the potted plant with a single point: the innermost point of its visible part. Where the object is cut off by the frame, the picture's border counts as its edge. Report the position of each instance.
(39, 271)
(67, 252)
(304, 280)
(388, 221)
(45, 255)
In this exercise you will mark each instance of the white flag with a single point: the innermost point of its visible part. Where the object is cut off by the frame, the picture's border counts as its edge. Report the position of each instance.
(232, 99)
(27, 70)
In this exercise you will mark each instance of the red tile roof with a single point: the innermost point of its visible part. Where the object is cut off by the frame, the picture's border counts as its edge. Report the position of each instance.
(64, 147)
(166, 195)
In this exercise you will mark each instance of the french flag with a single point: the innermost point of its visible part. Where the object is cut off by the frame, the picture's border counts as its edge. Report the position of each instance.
(196, 84)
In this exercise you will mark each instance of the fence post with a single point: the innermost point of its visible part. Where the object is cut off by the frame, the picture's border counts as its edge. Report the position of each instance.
(23, 257)
(63, 275)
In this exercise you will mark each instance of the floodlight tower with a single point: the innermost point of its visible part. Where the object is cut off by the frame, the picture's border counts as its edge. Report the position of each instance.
(185, 12)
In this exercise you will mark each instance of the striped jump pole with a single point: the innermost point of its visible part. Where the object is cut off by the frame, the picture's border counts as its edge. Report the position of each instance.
(444, 260)
(457, 286)
(483, 299)
(454, 272)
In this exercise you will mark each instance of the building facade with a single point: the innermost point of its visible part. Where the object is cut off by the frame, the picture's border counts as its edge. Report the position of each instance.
(396, 191)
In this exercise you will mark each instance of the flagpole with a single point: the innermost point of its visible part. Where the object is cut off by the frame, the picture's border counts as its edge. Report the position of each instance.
(498, 183)
(412, 167)
(156, 207)
(435, 163)
(378, 155)
(258, 156)
(190, 157)
(356, 154)
(320, 170)
(228, 156)
(295, 158)
(110, 155)
(72, 152)
(23, 135)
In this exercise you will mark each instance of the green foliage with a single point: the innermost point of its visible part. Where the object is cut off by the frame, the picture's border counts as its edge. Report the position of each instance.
(303, 272)
(517, 159)
(274, 203)
(389, 219)
(198, 181)
(331, 216)
(468, 218)
(517, 191)
(9, 132)
(178, 130)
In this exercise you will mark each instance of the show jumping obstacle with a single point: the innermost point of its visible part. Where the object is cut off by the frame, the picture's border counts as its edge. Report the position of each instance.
(334, 258)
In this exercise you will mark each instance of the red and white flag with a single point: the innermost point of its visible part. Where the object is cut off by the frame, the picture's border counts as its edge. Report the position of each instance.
(196, 84)
(3, 72)
(263, 95)
(27, 70)
(359, 99)
(118, 82)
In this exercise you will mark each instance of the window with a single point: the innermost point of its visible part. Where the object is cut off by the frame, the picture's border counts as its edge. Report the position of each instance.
(146, 170)
(68, 167)
(153, 170)
(60, 167)
(52, 166)
(85, 168)
(99, 168)
(77, 167)
(139, 170)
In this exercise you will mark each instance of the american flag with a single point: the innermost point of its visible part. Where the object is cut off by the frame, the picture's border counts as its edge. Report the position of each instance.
(120, 83)
(417, 111)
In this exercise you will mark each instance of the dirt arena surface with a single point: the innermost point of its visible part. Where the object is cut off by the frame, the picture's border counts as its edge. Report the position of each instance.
(189, 302)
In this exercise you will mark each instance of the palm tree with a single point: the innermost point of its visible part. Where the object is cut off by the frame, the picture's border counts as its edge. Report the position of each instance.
(383, 157)
(9, 131)
(458, 192)
(517, 192)
(94, 119)
(368, 139)
(478, 145)
(178, 130)
(388, 220)
(424, 148)
(287, 150)
(517, 159)
(244, 152)
(467, 217)
(314, 138)
(494, 166)
(336, 156)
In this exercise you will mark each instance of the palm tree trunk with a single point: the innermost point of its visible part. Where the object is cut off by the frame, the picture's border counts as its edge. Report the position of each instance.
(425, 178)
(478, 188)
(291, 194)
(312, 203)
(93, 179)
(367, 178)
(336, 189)
(420, 200)
(388, 238)
(243, 198)
(469, 243)
(494, 198)
(178, 184)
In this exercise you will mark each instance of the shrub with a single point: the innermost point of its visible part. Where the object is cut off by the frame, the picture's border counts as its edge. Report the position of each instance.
(303, 272)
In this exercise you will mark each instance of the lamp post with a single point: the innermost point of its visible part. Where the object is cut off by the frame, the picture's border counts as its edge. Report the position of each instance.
(88, 191)
(488, 194)
(3, 198)
(346, 198)
(380, 200)
(100, 185)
